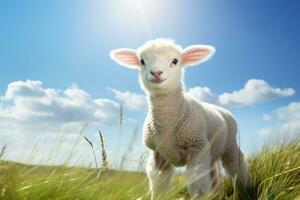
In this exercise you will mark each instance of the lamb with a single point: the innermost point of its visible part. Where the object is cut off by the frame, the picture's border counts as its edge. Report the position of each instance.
(178, 129)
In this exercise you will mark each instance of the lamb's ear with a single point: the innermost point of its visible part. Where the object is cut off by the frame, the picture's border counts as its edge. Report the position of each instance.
(196, 54)
(125, 57)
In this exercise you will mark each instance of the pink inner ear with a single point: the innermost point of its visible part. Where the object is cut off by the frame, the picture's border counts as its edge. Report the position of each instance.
(194, 55)
(127, 57)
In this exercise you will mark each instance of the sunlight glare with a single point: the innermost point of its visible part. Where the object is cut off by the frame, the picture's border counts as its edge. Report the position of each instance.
(136, 15)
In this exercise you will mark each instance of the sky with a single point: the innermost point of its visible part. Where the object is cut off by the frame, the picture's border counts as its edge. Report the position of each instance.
(56, 74)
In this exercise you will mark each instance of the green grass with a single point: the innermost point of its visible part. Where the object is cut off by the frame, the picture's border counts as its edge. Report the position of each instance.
(275, 173)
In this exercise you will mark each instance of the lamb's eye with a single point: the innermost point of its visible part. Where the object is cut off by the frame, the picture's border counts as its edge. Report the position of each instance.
(174, 61)
(142, 62)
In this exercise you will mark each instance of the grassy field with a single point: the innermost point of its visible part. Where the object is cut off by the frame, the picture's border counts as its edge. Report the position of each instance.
(275, 174)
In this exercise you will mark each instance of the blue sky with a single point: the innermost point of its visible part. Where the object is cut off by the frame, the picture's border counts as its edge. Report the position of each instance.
(65, 45)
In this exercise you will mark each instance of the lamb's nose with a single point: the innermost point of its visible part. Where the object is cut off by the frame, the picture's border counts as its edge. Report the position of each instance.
(156, 74)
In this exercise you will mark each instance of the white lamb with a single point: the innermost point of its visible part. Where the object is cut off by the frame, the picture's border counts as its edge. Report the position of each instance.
(180, 130)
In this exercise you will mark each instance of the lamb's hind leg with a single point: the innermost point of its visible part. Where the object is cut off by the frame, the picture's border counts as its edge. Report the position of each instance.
(234, 163)
(160, 174)
(215, 176)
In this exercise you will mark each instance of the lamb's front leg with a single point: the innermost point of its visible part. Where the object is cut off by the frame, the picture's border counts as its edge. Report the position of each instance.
(198, 174)
(160, 174)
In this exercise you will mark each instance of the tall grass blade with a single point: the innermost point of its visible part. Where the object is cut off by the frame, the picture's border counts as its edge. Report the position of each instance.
(92, 147)
(105, 165)
(2, 151)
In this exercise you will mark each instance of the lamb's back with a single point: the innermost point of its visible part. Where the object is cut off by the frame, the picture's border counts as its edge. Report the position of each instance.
(220, 124)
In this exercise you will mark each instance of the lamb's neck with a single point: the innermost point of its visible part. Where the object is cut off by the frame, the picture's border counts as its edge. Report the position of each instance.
(167, 109)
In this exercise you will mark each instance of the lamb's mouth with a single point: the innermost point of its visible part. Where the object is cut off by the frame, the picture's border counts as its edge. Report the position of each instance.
(157, 81)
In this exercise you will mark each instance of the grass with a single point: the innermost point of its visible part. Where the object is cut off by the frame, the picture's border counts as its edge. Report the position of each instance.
(275, 174)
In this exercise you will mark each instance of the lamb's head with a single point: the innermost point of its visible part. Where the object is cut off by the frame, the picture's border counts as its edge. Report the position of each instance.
(161, 63)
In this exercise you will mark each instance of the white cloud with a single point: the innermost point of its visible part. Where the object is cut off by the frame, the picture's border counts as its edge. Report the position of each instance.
(132, 101)
(290, 116)
(30, 112)
(266, 117)
(28, 101)
(21, 138)
(287, 120)
(133, 120)
(202, 94)
(254, 91)
(265, 131)
(289, 112)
